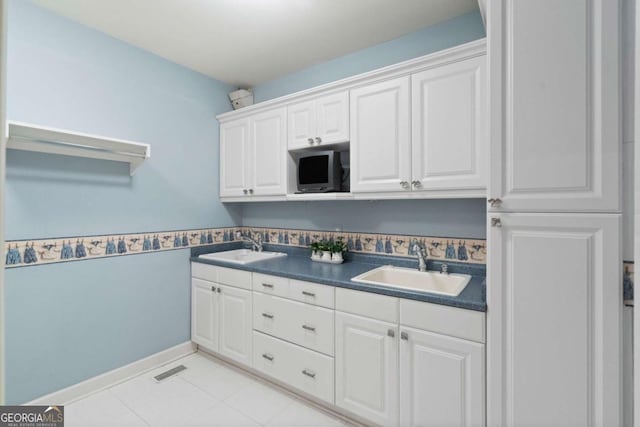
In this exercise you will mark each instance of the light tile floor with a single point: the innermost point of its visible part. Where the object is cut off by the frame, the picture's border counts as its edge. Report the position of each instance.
(207, 394)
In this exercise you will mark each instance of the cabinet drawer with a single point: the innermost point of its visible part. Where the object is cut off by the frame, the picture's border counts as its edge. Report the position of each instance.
(312, 293)
(272, 285)
(442, 319)
(306, 370)
(226, 276)
(306, 325)
(233, 277)
(367, 304)
(204, 271)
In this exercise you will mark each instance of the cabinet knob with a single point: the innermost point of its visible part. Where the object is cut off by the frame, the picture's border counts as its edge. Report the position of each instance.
(494, 203)
(251, 191)
(416, 184)
(404, 336)
(310, 140)
(268, 357)
(404, 184)
(219, 290)
(213, 289)
(496, 222)
(318, 139)
(245, 191)
(391, 333)
(308, 373)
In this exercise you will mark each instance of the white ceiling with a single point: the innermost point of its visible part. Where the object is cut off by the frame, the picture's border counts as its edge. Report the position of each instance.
(248, 42)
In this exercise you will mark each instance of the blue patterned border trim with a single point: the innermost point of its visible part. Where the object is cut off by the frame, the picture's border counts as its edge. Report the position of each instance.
(22, 253)
(46, 251)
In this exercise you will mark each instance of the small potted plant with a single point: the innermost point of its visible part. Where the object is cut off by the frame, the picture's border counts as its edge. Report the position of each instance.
(338, 248)
(325, 247)
(315, 250)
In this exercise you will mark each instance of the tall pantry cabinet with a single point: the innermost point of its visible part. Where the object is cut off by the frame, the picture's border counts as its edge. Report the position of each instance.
(554, 290)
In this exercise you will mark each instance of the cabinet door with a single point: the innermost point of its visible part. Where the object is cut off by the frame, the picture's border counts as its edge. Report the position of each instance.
(449, 127)
(554, 321)
(204, 314)
(554, 126)
(367, 368)
(234, 154)
(267, 170)
(235, 324)
(380, 137)
(333, 118)
(441, 380)
(301, 122)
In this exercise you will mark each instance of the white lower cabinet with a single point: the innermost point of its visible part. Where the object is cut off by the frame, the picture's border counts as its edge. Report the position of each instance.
(303, 324)
(386, 360)
(555, 325)
(367, 368)
(441, 380)
(221, 314)
(304, 369)
(204, 314)
(234, 306)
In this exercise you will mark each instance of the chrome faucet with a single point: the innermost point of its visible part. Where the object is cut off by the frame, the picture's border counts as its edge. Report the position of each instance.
(257, 243)
(421, 253)
(444, 269)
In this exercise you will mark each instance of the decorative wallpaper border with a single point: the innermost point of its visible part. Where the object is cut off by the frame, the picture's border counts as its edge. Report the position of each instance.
(472, 251)
(23, 253)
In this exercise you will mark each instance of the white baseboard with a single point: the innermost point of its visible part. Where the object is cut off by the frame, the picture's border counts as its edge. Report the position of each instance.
(116, 376)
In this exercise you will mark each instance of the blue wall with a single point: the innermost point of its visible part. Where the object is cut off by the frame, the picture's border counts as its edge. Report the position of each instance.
(447, 34)
(451, 218)
(69, 322)
(447, 218)
(66, 323)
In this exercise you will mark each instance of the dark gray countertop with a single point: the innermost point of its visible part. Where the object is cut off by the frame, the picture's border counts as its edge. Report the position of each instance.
(298, 265)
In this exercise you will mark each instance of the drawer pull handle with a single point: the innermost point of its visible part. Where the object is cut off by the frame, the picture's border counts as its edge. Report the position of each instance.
(404, 336)
(267, 315)
(309, 328)
(268, 285)
(268, 357)
(309, 294)
(310, 374)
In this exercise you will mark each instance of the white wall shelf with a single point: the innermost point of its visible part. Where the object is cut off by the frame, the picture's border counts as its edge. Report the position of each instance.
(29, 137)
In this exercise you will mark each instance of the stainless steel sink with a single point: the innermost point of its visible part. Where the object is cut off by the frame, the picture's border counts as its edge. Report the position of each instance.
(412, 279)
(242, 256)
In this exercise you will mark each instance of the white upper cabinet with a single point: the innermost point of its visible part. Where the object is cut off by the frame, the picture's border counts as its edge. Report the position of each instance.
(449, 126)
(555, 335)
(253, 154)
(234, 151)
(267, 144)
(301, 122)
(320, 121)
(554, 103)
(381, 137)
(417, 129)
